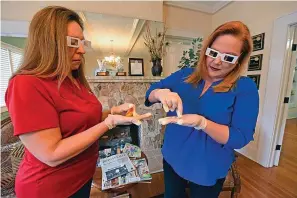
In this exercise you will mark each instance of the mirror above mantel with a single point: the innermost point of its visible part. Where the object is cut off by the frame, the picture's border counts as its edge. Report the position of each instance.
(116, 36)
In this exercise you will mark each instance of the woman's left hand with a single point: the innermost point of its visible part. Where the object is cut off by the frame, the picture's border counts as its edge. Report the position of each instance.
(122, 109)
(189, 120)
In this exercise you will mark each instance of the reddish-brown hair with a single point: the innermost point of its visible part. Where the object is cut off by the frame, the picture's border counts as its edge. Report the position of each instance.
(242, 33)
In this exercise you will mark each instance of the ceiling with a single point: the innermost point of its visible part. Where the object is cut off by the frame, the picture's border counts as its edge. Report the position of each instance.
(210, 7)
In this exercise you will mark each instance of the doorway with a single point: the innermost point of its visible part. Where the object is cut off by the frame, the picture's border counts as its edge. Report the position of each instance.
(287, 140)
(288, 157)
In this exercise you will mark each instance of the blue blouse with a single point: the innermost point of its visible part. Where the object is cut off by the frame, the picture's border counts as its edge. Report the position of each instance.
(193, 154)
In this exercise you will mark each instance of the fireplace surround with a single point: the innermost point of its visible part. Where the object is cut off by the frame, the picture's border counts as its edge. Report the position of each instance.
(113, 91)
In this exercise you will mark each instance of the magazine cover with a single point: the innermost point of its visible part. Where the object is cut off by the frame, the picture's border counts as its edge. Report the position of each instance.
(106, 153)
(140, 174)
(142, 169)
(119, 181)
(132, 150)
(115, 166)
(116, 172)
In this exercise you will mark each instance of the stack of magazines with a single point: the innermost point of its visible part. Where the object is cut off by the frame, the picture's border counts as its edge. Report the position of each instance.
(119, 170)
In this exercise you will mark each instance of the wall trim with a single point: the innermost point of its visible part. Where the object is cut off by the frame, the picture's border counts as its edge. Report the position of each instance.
(272, 99)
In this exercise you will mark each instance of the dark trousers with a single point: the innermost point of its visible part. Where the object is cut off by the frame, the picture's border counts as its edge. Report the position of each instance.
(84, 191)
(175, 186)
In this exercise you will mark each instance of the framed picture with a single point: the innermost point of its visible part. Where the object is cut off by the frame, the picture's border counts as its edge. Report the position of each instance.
(136, 67)
(255, 62)
(258, 42)
(256, 79)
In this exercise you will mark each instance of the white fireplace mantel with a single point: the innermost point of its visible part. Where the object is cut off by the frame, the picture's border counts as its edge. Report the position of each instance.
(131, 79)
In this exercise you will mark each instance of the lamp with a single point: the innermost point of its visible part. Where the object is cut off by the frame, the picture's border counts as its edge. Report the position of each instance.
(112, 60)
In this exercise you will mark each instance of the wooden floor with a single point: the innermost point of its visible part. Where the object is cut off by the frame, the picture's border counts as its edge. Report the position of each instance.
(257, 181)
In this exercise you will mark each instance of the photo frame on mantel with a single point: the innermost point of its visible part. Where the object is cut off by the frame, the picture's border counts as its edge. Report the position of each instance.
(258, 41)
(136, 67)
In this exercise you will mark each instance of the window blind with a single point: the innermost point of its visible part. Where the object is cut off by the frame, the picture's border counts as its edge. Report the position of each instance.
(10, 61)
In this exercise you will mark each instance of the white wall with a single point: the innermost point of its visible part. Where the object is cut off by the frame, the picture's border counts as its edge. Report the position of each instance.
(259, 17)
(187, 22)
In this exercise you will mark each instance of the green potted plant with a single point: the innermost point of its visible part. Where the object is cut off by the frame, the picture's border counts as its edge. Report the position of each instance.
(191, 57)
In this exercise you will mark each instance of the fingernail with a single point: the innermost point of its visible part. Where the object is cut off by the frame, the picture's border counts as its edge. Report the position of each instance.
(178, 114)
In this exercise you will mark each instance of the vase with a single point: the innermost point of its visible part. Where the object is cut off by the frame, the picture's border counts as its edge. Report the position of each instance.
(157, 67)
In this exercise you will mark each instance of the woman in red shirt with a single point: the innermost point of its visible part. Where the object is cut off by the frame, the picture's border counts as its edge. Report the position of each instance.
(54, 111)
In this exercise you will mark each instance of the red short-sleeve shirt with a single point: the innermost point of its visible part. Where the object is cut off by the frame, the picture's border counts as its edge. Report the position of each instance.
(35, 104)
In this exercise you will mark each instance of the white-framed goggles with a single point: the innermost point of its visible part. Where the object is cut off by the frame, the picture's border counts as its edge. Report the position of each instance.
(228, 58)
(76, 42)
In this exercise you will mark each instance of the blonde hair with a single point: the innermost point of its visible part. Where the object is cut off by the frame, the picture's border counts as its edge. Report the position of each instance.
(238, 30)
(46, 51)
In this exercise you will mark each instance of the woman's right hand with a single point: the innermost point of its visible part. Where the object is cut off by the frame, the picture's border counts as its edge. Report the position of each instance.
(113, 120)
(170, 101)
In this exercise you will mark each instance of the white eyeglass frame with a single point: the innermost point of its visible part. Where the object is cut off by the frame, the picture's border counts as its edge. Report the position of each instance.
(85, 43)
(222, 55)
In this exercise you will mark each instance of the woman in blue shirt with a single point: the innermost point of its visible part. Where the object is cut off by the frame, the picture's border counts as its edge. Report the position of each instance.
(211, 110)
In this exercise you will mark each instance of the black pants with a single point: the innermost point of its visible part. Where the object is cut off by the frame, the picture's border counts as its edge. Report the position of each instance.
(175, 186)
(84, 191)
